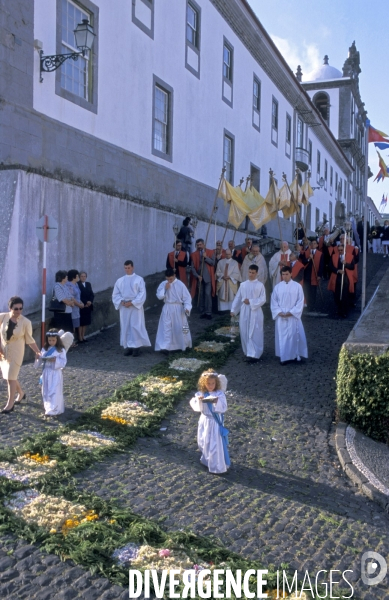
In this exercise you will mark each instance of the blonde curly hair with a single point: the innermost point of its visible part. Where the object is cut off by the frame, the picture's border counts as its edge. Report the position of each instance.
(204, 378)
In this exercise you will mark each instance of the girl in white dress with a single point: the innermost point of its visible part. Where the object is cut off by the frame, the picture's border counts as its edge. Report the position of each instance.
(53, 358)
(212, 436)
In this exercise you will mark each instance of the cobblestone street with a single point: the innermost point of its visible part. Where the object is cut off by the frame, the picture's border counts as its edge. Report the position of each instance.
(285, 499)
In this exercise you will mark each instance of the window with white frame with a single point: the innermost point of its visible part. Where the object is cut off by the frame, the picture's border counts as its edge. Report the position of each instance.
(75, 74)
(317, 216)
(325, 173)
(310, 151)
(227, 62)
(336, 187)
(162, 120)
(256, 103)
(331, 179)
(228, 157)
(288, 133)
(192, 25)
(318, 165)
(300, 133)
(274, 121)
(274, 115)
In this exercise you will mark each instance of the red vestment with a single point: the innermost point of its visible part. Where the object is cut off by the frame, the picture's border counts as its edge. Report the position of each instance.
(316, 263)
(348, 272)
(181, 270)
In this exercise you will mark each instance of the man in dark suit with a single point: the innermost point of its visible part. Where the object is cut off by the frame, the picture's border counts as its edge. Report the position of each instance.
(87, 297)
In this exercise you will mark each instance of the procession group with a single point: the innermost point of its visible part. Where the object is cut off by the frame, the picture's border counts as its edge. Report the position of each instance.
(238, 281)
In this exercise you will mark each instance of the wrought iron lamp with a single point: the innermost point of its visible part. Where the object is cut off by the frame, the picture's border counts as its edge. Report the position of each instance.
(84, 36)
(321, 182)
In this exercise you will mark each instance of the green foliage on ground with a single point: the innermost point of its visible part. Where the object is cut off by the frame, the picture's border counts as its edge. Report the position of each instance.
(362, 390)
(91, 544)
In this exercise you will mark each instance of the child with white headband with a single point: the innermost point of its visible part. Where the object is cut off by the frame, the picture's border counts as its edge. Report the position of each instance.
(53, 360)
(212, 436)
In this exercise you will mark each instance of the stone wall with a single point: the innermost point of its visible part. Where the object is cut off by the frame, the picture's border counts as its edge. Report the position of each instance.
(370, 334)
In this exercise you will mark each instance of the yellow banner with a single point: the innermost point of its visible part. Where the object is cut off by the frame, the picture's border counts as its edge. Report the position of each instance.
(307, 191)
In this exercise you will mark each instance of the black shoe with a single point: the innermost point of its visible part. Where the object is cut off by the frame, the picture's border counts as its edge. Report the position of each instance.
(19, 400)
(136, 352)
(203, 316)
(209, 317)
(251, 359)
(127, 352)
(5, 411)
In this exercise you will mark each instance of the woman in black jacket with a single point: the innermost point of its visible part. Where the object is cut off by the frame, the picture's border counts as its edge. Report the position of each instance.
(87, 297)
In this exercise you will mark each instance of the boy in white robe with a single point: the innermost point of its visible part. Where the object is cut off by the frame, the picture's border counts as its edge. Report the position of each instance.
(173, 329)
(129, 295)
(287, 303)
(248, 301)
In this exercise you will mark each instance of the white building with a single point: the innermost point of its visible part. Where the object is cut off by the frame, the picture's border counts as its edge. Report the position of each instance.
(121, 144)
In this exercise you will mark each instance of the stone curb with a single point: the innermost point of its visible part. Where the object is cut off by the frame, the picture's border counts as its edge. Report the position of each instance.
(354, 473)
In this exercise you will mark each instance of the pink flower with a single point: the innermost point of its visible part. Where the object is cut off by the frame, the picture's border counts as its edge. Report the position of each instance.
(164, 553)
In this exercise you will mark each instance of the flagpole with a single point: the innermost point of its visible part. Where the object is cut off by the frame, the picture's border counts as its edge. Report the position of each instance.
(364, 246)
(209, 227)
(284, 177)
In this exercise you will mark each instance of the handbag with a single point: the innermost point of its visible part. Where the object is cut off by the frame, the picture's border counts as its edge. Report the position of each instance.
(56, 305)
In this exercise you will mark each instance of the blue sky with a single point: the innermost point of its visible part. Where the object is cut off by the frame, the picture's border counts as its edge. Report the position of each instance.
(306, 30)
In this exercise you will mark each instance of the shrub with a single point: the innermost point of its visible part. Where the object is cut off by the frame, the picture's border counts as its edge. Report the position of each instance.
(362, 386)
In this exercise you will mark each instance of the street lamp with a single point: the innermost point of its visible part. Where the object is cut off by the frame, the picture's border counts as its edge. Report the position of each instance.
(321, 182)
(84, 37)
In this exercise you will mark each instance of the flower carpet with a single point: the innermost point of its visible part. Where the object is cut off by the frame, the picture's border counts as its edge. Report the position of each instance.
(40, 502)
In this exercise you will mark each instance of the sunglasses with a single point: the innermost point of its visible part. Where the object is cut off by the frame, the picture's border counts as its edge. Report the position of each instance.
(16, 308)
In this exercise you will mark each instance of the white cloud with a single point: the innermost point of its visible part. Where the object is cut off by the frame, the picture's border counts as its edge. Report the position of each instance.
(306, 55)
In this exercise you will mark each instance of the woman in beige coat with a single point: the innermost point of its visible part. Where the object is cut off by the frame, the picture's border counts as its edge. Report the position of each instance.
(15, 332)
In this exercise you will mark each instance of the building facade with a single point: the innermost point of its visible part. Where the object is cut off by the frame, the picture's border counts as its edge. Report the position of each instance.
(123, 143)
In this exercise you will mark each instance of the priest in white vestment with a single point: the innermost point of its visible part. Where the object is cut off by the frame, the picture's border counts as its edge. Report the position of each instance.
(255, 258)
(173, 329)
(278, 260)
(248, 301)
(129, 295)
(287, 303)
(227, 278)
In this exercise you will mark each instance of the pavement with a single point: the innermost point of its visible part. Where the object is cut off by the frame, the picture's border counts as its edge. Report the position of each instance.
(286, 498)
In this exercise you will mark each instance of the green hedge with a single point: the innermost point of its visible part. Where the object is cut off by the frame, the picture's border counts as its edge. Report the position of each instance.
(362, 386)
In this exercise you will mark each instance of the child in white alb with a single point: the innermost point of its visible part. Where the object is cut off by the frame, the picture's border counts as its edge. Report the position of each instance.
(53, 359)
(212, 436)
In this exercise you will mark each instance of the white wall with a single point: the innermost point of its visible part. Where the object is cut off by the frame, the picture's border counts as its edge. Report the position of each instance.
(96, 233)
(128, 58)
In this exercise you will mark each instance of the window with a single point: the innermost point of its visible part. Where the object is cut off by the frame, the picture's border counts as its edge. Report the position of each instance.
(318, 165)
(255, 174)
(228, 66)
(274, 121)
(331, 179)
(228, 156)
(192, 43)
(317, 216)
(227, 63)
(76, 80)
(143, 16)
(336, 187)
(162, 120)
(300, 134)
(310, 151)
(325, 174)
(288, 134)
(340, 188)
(274, 114)
(256, 103)
(322, 103)
(345, 189)
(330, 220)
(192, 25)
